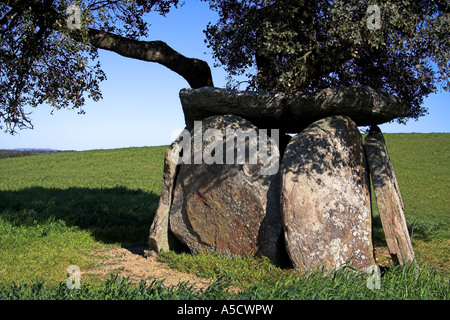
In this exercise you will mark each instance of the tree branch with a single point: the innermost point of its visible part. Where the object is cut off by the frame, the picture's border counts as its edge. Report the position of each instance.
(196, 72)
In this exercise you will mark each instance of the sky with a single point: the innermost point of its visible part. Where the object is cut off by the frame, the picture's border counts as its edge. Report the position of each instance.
(141, 106)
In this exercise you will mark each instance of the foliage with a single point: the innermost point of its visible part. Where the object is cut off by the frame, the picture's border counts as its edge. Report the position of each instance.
(284, 45)
(42, 60)
(303, 46)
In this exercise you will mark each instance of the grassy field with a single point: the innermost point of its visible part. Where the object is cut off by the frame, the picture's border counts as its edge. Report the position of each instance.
(56, 209)
(422, 166)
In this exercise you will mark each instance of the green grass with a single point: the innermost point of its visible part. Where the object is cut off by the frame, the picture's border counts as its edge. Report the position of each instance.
(400, 283)
(113, 288)
(132, 168)
(56, 209)
(422, 166)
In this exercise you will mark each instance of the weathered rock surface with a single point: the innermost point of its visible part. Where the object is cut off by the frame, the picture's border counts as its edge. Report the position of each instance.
(229, 208)
(389, 199)
(292, 112)
(325, 197)
(160, 237)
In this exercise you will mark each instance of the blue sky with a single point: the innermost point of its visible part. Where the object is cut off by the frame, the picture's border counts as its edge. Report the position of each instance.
(140, 105)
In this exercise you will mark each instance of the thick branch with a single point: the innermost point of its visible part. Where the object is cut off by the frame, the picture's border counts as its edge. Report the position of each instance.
(196, 72)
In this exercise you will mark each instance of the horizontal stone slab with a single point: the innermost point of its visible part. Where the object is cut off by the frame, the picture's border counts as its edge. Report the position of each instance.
(293, 112)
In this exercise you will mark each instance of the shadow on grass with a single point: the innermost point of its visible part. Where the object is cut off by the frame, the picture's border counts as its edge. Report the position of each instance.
(111, 215)
(418, 229)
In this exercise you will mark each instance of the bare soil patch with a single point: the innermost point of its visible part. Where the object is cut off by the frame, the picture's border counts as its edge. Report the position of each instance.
(130, 262)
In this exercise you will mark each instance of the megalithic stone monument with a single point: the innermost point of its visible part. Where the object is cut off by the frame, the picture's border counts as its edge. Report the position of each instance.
(389, 199)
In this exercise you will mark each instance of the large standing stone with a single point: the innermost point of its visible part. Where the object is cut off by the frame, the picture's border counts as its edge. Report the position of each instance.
(325, 199)
(160, 237)
(231, 208)
(293, 112)
(389, 199)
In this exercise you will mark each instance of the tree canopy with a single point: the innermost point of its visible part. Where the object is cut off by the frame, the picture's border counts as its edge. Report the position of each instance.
(49, 51)
(395, 46)
(49, 48)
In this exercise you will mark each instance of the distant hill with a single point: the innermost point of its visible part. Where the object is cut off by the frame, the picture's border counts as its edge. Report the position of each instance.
(21, 152)
(34, 149)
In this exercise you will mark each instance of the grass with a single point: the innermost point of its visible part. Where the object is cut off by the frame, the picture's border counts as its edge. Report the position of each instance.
(56, 209)
(400, 284)
(113, 288)
(422, 166)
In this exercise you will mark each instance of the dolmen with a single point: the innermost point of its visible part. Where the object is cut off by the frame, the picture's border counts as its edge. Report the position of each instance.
(282, 176)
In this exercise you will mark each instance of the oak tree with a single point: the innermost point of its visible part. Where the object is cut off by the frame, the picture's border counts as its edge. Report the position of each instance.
(49, 51)
(395, 46)
(49, 48)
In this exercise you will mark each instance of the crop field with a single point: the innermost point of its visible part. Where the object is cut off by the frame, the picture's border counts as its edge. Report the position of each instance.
(62, 209)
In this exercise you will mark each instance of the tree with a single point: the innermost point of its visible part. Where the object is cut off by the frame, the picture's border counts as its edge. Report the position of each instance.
(49, 48)
(49, 51)
(398, 46)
